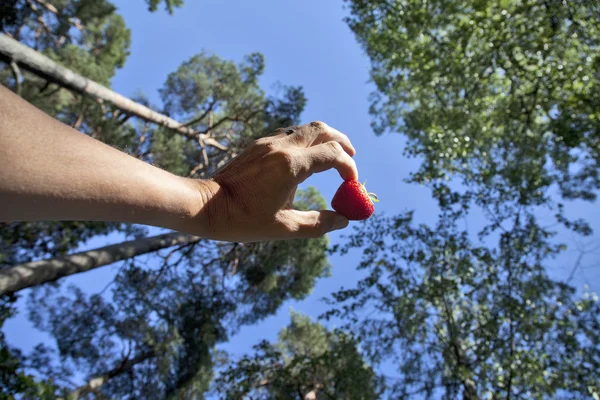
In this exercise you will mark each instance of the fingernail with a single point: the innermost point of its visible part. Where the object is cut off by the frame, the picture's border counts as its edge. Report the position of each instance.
(340, 222)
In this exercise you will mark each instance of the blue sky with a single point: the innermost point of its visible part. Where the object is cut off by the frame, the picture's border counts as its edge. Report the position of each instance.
(305, 43)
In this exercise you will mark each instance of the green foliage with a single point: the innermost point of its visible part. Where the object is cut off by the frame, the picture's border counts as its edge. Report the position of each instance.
(155, 335)
(218, 98)
(206, 78)
(169, 316)
(102, 48)
(170, 5)
(461, 319)
(13, 380)
(500, 99)
(503, 95)
(307, 358)
(91, 39)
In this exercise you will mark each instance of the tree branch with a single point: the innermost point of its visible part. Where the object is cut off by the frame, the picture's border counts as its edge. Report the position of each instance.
(35, 273)
(33, 61)
(201, 117)
(575, 267)
(80, 117)
(42, 22)
(93, 384)
(18, 77)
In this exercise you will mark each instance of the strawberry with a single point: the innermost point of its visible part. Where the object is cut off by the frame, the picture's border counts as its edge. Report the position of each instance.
(353, 201)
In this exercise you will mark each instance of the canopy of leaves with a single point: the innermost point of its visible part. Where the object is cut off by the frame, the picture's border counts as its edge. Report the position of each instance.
(169, 317)
(91, 39)
(307, 362)
(501, 99)
(170, 5)
(171, 334)
(460, 319)
(502, 94)
(218, 98)
(12, 378)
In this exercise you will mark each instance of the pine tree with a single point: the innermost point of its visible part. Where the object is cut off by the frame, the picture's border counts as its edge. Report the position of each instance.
(461, 319)
(307, 363)
(117, 347)
(154, 334)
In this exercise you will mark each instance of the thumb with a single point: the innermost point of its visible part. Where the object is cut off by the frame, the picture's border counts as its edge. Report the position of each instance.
(313, 224)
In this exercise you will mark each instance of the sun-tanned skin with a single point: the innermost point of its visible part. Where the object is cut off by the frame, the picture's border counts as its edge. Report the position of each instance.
(49, 171)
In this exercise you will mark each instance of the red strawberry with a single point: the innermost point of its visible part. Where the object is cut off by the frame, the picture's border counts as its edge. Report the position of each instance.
(353, 201)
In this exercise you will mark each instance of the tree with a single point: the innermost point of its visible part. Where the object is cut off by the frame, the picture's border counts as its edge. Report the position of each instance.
(308, 362)
(35, 273)
(267, 285)
(154, 337)
(90, 39)
(97, 49)
(499, 99)
(462, 319)
(224, 104)
(500, 95)
(12, 378)
(81, 35)
(170, 5)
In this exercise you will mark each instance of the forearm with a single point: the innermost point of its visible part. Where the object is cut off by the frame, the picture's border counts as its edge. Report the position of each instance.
(49, 171)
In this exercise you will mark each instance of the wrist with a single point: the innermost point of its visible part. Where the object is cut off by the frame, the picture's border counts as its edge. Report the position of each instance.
(195, 218)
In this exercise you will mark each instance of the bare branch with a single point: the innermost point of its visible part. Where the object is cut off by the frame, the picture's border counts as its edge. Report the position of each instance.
(18, 77)
(47, 6)
(141, 140)
(80, 117)
(204, 114)
(94, 383)
(33, 61)
(575, 267)
(35, 273)
(42, 23)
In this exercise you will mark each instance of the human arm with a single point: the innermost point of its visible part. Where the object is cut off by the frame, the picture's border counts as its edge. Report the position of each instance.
(49, 171)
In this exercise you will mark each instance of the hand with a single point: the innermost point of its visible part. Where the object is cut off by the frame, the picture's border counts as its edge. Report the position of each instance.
(250, 199)
(49, 171)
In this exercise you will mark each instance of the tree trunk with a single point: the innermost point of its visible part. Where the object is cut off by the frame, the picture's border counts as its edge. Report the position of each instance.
(35, 273)
(11, 51)
(96, 382)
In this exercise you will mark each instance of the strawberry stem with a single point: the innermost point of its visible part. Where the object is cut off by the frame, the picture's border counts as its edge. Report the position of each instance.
(373, 197)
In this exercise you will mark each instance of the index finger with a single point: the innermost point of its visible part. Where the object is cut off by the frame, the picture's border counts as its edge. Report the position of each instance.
(318, 132)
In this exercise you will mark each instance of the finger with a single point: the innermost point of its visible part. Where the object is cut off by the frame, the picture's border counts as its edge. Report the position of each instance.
(312, 224)
(319, 132)
(326, 156)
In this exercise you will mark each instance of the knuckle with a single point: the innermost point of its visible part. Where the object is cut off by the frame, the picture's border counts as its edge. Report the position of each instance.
(318, 226)
(289, 225)
(264, 143)
(335, 147)
(270, 145)
(277, 131)
(283, 160)
(318, 125)
(259, 142)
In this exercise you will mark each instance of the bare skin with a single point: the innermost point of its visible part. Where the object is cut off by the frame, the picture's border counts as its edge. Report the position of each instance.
(49, 171)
